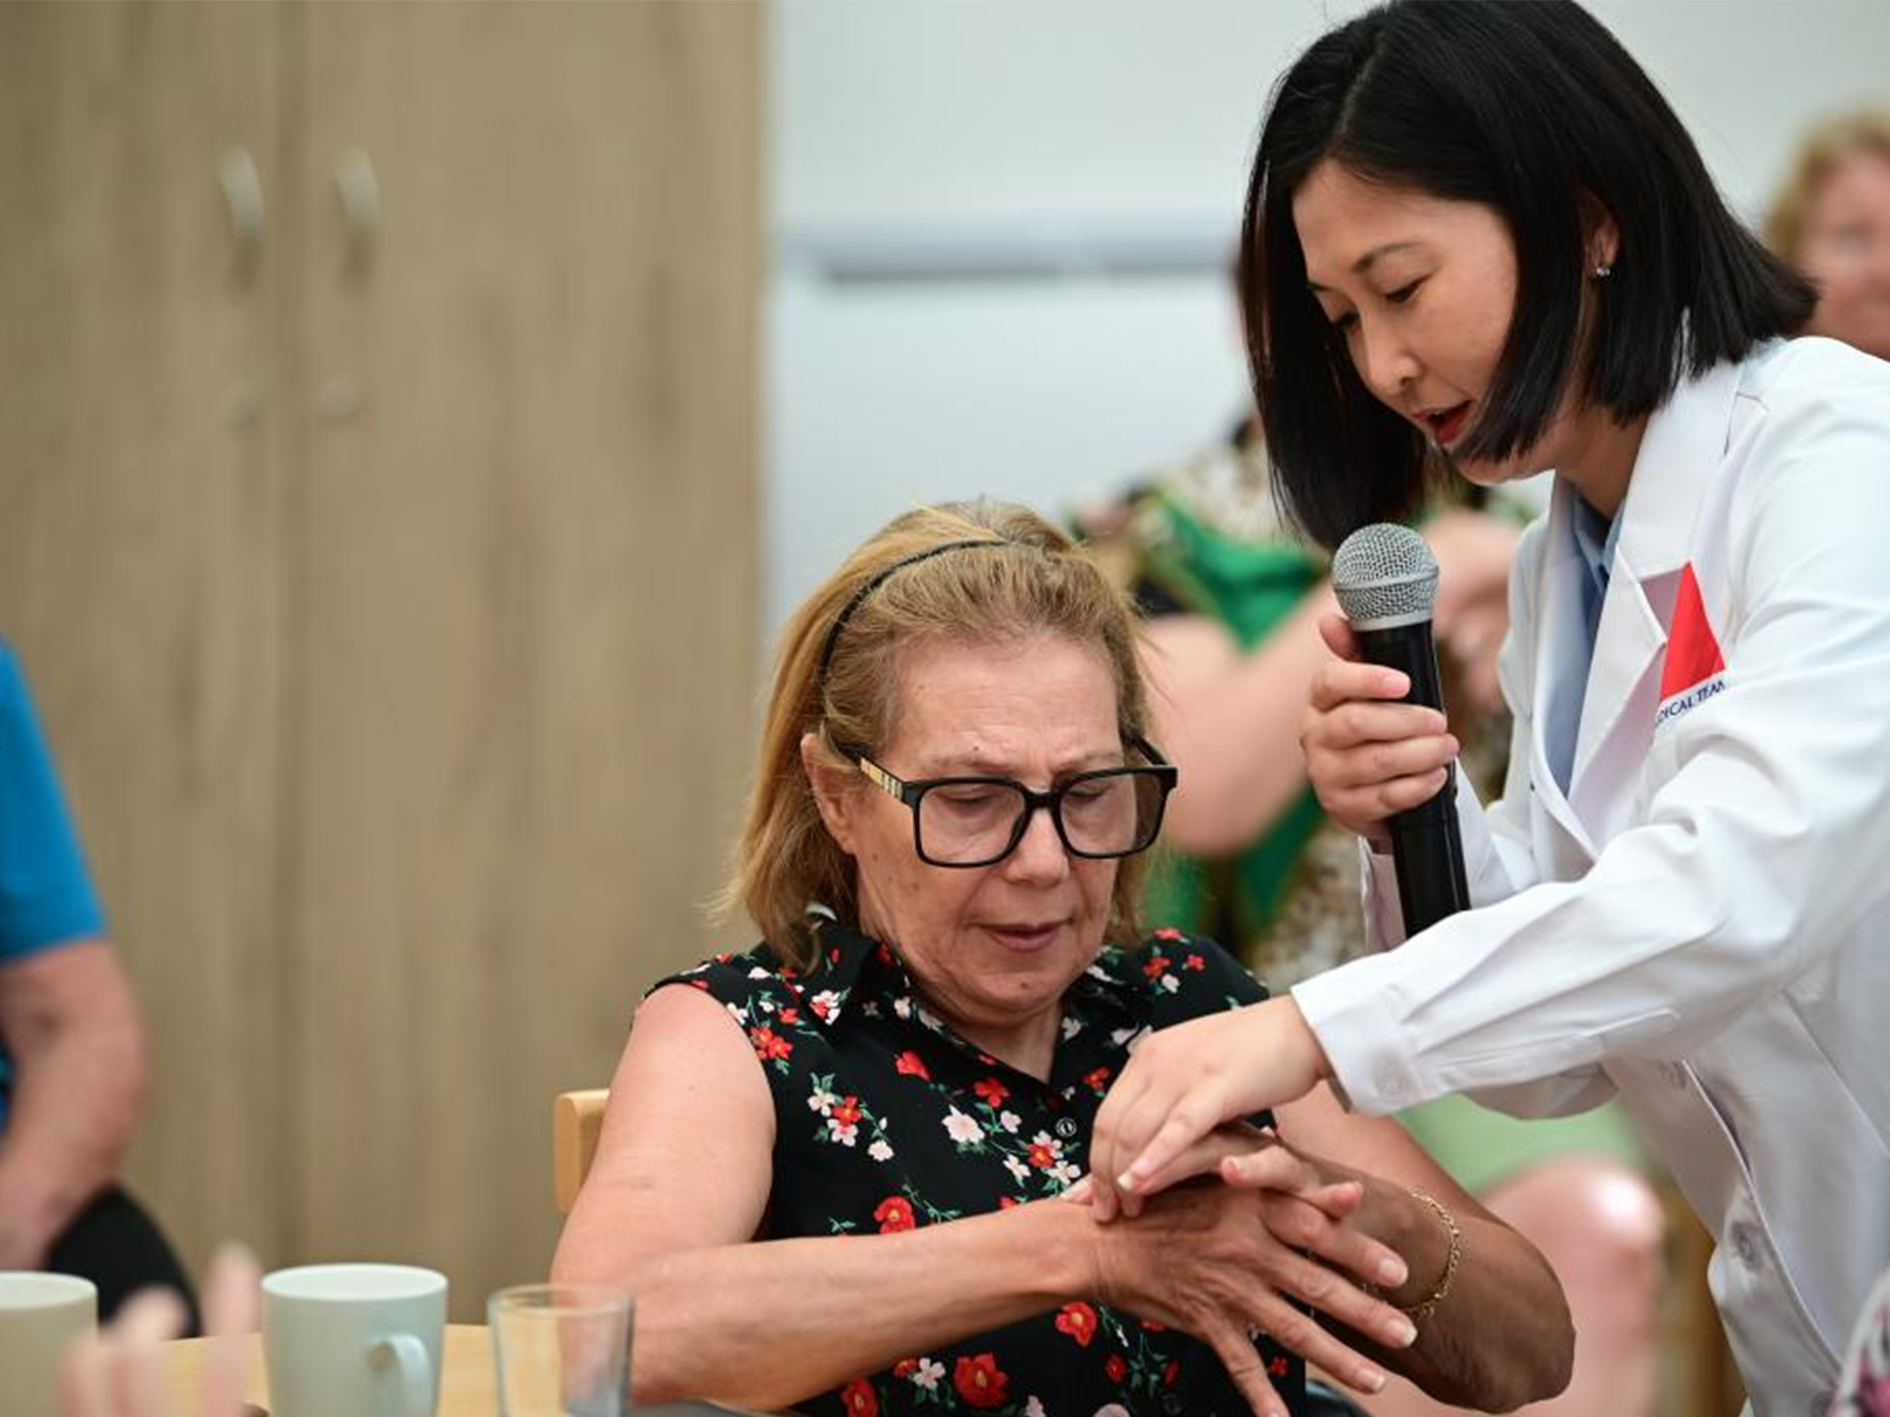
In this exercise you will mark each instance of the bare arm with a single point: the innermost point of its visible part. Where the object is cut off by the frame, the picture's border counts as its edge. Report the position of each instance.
(678, 1191)
(76, 1038)
(1502, 1337)
(1230, 720)
(676, 1202)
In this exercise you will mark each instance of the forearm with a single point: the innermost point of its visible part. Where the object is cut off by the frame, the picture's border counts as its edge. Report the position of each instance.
(79, 1090)
(768, 1324)
(1235, 735)
(1501, 1337)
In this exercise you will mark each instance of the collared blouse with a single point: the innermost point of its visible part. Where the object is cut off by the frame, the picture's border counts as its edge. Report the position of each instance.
(888, 1119)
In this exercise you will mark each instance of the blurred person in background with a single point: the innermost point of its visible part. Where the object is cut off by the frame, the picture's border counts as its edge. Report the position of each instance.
(125, 1369)
(1233, 601)
(73, 1074)
(1832, 220)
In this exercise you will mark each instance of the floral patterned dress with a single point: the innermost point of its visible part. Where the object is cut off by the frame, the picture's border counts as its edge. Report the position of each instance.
(887, 1119)
(1864, 1390)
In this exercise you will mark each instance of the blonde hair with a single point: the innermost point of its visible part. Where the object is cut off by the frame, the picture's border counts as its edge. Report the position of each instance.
(1021, 576)
(1865, 130)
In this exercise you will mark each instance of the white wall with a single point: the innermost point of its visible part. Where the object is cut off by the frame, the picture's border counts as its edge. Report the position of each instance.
(1087, 131)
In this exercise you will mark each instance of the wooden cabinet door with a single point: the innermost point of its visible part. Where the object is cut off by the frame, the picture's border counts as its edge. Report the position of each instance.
(519, 586)
(139, 503)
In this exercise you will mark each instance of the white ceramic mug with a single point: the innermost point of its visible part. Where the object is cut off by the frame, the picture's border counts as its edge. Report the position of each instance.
(40, 1317)
(353, 1340)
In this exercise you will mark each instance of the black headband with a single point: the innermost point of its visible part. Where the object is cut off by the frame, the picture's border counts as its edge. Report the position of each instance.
(860, 595)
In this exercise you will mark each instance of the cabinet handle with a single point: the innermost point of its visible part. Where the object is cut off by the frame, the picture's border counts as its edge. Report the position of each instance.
(360, 192)
(243, 195)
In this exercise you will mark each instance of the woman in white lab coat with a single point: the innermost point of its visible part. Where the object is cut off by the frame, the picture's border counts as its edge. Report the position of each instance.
(1478, 240)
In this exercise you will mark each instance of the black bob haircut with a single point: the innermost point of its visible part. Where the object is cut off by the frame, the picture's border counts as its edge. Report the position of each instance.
(1535, 110)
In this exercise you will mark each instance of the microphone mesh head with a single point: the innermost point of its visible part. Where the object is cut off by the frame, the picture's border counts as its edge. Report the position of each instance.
(1384, 575)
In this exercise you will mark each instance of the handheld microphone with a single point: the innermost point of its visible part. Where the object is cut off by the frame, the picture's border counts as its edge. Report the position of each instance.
(1386, 580)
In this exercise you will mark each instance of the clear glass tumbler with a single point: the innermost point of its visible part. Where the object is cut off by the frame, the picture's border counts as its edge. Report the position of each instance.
(562, 1350)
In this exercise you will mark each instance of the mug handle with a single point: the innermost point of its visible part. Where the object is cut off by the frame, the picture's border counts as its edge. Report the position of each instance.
(416, 1370)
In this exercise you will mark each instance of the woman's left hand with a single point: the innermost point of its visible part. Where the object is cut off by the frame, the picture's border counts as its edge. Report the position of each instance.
(1204, 1259)
(1185, 1081)
(1315, 1206)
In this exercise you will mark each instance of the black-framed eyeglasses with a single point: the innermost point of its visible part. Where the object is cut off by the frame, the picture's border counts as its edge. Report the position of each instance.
(976, 821)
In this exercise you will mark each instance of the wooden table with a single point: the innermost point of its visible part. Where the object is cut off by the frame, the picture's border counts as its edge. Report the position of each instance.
(467, 1384)
(467, 1387)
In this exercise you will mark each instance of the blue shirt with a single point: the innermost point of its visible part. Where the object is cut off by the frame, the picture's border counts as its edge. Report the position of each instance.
(45, 895)
(1595, 539)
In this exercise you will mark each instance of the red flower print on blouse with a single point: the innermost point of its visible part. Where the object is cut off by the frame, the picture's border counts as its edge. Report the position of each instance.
(1276, 1368)
(1172, 1373)
(859, 1399)
(847, 1112)
(911, 1065)
(789, 1016)
(1157, 966)
(894, 1214)
(1115, 1369)
(1096, 1079)
(905, 1367)
(980, 1381)
(1168, 932)
(769, 1044)
(1195, 962)
(1043, 1155)
(1079, 1322)
(991, 1091)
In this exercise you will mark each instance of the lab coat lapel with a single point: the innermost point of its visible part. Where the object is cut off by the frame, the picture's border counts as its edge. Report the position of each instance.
(1680, 455)
(1623, 697)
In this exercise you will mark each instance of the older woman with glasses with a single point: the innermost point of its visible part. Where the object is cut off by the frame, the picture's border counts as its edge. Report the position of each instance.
(841, 1171)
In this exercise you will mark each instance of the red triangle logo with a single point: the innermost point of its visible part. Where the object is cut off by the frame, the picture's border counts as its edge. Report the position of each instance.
(1692, 651)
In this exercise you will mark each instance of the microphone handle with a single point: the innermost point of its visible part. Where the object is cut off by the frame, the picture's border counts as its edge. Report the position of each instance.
(1426, 843)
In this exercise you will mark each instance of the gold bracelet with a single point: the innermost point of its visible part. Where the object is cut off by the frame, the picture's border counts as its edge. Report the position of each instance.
(1452, 1261)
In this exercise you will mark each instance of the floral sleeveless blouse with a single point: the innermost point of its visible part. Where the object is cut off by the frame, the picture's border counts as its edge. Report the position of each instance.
(887, 1119)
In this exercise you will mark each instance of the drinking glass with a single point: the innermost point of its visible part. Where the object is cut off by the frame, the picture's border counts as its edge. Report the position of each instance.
(562, 1350)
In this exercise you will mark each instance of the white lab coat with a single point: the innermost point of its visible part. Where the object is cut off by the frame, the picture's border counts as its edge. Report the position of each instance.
(1701, 924)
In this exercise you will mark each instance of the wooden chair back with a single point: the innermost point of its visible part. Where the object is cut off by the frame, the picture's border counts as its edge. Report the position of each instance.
(576, 1119)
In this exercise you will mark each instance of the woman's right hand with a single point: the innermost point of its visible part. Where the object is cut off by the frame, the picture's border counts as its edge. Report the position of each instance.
(1202, 1258)
(1369, 756)
(122, 1370)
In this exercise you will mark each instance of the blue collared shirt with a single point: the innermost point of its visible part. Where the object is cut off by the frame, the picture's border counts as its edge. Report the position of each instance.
(1595, 538)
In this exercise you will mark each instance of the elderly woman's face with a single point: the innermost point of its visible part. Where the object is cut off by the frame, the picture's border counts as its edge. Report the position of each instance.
(1846, 250)
(993, 946)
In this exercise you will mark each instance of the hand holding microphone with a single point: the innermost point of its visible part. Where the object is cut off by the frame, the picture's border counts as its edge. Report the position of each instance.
(1379, 755)
(1378, 748)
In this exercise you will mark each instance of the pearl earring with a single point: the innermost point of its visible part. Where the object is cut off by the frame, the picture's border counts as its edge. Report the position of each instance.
(1603, 272)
